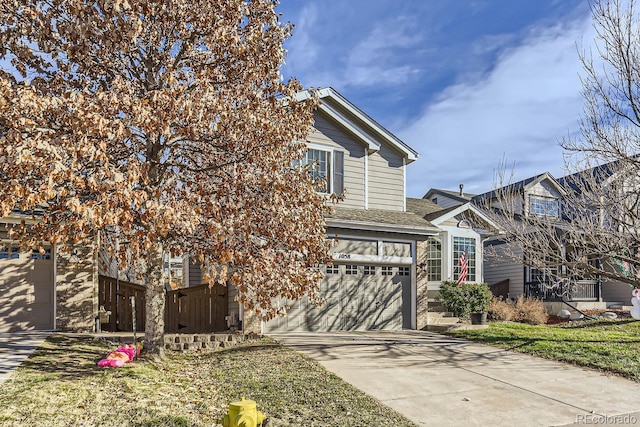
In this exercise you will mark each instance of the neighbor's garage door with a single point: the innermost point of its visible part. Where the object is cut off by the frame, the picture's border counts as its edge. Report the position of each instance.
(358, 297)
(26, 290)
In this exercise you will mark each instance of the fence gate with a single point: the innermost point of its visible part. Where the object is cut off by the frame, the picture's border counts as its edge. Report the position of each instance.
(196, 309)
(114, 295)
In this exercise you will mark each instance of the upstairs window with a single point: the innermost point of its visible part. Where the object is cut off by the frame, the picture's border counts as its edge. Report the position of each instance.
(544, 206)
(327, 166)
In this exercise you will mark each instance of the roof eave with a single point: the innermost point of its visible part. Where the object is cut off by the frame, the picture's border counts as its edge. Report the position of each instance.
(373, 226)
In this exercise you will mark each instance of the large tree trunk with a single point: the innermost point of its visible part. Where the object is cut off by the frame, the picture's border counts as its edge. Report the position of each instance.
(155, 301)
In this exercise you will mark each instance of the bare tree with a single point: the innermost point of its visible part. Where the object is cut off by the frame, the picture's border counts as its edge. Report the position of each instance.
(595, 230)
(168, 122)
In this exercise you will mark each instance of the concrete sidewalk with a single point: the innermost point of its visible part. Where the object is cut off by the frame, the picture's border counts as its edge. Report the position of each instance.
(437, 380)
(15, 348)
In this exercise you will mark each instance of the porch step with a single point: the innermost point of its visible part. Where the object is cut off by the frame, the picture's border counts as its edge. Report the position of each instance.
(441, 318)
(619, 307)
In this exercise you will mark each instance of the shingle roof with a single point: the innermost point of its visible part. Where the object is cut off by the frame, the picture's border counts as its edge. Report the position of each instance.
(517, 186)
(423, 207)
(382, 217)
(452, 194)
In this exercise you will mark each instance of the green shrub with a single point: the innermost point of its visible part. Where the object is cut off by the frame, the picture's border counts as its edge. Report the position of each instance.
(501, 310)
(465, 298)
(531, 311)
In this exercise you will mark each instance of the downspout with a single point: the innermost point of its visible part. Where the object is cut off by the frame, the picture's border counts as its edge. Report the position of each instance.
(366, 178)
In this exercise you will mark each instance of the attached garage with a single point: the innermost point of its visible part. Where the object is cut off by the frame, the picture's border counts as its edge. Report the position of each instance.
(26, 289)
(358, 297)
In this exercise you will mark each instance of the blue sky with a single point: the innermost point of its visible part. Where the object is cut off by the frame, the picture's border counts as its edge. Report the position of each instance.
(467, 84)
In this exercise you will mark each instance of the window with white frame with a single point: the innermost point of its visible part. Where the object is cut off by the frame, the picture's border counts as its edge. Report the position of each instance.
(325, 166)
(434, 259)
(544, 206)
(466, 245)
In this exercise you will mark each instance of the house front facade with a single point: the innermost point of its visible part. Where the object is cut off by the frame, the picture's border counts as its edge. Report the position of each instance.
(373, 282)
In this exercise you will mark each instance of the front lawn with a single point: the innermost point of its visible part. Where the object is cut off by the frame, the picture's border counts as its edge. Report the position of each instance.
(608, 345)
(60, 385)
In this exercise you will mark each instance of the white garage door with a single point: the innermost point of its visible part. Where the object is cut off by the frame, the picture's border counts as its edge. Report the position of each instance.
(26, 290)
(358, 297)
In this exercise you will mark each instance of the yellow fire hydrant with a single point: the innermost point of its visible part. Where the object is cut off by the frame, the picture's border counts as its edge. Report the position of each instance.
(243, 413)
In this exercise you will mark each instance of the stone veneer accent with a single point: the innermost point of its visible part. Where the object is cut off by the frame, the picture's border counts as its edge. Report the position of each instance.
(76, 291)
(252, 323)
(190, 342)
(422, 300)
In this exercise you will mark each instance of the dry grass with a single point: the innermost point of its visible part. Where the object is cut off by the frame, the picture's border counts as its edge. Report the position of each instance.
(524, 310)
(60, 385)
(531, 311)
(501, 310)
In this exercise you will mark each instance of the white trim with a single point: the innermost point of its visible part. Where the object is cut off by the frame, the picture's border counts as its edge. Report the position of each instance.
(378, 259)
(387, 228)
(387, 136)
(414, 287)
(329, 150)
(458, 210)
(404, 184)
(366, 179)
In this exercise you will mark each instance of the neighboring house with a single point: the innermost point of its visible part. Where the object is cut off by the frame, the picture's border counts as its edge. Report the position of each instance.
(538, 195)
(48, 289)
(447, 198)
(463, 228)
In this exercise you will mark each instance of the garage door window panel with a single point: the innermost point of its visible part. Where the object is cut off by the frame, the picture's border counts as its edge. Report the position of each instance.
(9, 252)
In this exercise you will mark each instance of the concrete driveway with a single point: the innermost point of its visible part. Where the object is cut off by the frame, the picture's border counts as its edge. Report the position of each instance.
(15, 348)
(436, 380)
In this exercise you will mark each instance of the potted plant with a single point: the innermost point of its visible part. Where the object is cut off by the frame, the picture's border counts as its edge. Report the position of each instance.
(467, 300)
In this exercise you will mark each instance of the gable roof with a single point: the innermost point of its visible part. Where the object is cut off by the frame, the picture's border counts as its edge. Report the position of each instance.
(436, 215)
(592, 176)
(358, 123)
(521, 186)
(455, 195)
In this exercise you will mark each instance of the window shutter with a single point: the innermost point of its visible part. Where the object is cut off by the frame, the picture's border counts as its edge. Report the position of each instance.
(338, 172)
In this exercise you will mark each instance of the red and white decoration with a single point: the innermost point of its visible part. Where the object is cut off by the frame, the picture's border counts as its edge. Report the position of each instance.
(464, 268)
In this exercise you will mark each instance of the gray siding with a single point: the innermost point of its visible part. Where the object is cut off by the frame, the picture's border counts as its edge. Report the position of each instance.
(500, 267)
(330, 135)
(386, 180)
(614, 291)
(445, 201)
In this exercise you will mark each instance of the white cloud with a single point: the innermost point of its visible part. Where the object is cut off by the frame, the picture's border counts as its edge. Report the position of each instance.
(325, 51)
(519, 110)
(374, 60)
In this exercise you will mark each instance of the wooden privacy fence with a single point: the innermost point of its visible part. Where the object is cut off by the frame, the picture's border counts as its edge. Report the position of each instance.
(196, 309)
